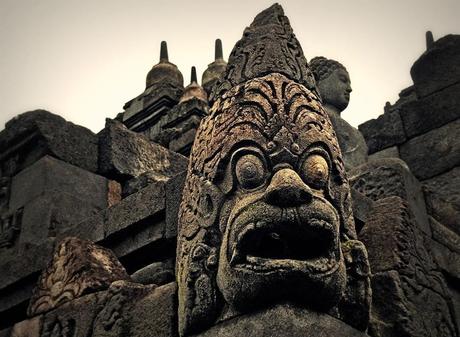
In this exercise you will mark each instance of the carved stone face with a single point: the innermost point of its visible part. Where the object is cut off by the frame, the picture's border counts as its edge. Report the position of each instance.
(266, 205)
(335, 89)
(280, 230)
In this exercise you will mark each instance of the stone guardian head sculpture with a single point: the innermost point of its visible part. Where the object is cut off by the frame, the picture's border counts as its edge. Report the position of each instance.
(266, 211)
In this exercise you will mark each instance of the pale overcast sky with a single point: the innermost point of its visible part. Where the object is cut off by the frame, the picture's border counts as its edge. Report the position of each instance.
(83, 59)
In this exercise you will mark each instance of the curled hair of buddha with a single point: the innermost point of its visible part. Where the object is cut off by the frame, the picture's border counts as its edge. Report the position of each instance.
(323, 67)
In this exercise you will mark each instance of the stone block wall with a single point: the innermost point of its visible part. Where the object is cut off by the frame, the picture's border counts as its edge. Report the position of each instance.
(57, 179)
(423, 130)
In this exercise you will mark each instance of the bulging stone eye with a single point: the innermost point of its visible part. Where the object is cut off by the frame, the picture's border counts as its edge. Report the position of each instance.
(315, 170)
(250, 171)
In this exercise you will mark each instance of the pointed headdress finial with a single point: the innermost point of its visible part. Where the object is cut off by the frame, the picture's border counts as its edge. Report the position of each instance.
(268, 46)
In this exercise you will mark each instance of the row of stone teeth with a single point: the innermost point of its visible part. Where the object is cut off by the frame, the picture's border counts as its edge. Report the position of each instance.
(322, 265)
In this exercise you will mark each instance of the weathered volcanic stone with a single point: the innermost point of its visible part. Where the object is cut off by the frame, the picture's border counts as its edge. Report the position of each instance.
(405, 276)
(125, 154)
(34, 134)
(434, 152)
(431, 112)
(5, 332)
(135, 208)
(160, 306)
(52, 176)
(442, 195)
(445, 248)
(78, 267)
(362, 208)
(28, 328)
(438, 67)
(388, 177)
(351, 141)
(389, 152)
(385, 131)
(155, 273)
(173, 192)
(74, 318)
(445, 236)
(51, 215)
(280, 321)
(32, 259)
(146, 204)
(140, 229)
(114, 318)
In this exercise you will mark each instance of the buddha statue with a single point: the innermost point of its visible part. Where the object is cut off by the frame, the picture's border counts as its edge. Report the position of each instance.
(333, 83)
(266, 211)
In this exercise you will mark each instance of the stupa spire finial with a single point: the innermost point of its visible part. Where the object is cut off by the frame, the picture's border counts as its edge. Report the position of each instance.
(164, 52)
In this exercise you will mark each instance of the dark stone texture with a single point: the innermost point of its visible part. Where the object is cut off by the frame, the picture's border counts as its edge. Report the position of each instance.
(160, 306)
(431, 112)
(174, 188)
(405, 277)
(75, 318)
(91, 228)
(445, 236)
(180, 125)
(135, 208)
(438, 67)
(362, 208)
(447, 260)
(34, 258)
(385, 131)
(158, 273)
(6, 332)
(434, 152)
(19, 270)
(125, 154)
(442, 196)
(52, 214)
(401, 309)
(446, 249)
(34, 134)
(114, 318)
(389, 152)
(52, 176)
(280, 321)
(388, 177)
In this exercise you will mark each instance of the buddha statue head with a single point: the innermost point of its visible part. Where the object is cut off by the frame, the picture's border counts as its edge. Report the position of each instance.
(333, 83)
(266, 211)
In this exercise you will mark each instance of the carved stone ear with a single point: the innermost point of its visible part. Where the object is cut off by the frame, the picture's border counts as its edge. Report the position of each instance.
(354, 307)
(198, 295)
(210, 202)
(200, 298)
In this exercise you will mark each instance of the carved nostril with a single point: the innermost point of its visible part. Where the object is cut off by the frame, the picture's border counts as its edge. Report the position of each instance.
(287, 189)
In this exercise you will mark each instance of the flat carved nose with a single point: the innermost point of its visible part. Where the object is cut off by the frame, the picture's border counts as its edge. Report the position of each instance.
(287, 189)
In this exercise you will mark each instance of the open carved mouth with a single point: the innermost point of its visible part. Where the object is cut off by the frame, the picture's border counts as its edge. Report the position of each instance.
(263, 246)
